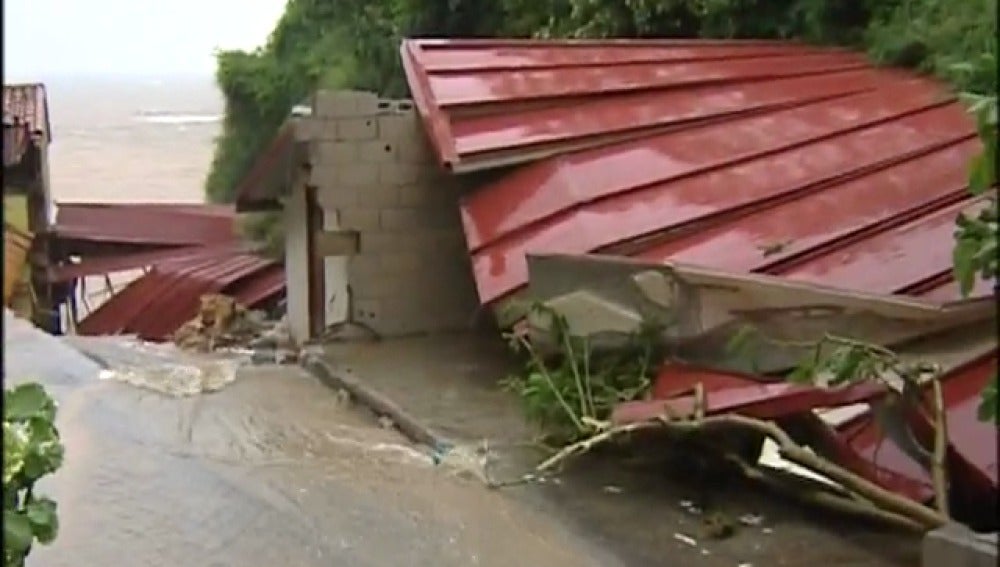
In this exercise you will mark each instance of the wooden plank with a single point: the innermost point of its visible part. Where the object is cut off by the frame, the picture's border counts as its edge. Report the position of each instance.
(337, 243)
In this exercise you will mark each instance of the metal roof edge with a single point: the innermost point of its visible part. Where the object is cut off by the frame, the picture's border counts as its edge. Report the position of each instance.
(422, 95)
(264, 163)
(910, 306)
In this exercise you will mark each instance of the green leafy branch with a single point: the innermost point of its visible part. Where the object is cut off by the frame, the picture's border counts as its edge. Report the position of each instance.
(570, 394)
(31, 451)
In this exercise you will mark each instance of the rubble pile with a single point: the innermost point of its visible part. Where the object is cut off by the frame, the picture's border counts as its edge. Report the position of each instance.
(222, 323)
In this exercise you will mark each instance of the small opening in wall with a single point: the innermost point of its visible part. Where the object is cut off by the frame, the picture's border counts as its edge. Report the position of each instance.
(368, 122)
(384, 105)
(388, 148)
(405, 106)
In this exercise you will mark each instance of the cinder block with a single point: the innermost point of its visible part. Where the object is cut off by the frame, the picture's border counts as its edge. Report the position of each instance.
(365, 265)
(357, 174)
(415, 149)
(323, 176)
(337, 153)
(382, 242)
(343, 104)
(378, 151)
(379, 196)
(335, 196)
(310, 129)
(402, 219)
(400, 263)
(956, 545)
(399, 126)
(396, 173)
(357, 129)
(423, 193)
(358, 218)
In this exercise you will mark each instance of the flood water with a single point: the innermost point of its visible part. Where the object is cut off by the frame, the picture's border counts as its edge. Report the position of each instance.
(274, 469)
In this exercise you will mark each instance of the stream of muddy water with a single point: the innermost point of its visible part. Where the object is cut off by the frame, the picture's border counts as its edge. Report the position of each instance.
(269, 468)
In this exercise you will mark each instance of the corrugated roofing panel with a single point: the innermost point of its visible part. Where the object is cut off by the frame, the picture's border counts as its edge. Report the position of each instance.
(162, 225)
(158, 303)
(27, 104)
(853, 188)
(488, 103)
(90, 266)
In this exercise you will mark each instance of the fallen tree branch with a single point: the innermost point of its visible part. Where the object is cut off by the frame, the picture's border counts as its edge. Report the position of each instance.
(881, 499)
(819, 495)
(939, 473)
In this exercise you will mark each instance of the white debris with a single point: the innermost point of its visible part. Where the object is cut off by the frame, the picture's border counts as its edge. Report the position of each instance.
(686, 539)
(751, 520)
(612, 489)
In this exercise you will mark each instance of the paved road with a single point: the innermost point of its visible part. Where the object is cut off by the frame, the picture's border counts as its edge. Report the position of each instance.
(272, 470)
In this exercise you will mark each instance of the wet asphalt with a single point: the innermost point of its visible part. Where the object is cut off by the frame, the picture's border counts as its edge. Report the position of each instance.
(272, 470)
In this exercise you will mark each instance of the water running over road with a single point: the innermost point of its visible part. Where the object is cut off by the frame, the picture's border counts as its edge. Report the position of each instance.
(274, 469)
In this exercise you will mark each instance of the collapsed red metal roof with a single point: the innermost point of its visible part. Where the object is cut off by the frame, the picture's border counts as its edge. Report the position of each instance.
(751, 157)
(25, 119)
(160, 302)
(860, 444)
(156, 224)
(192, 249)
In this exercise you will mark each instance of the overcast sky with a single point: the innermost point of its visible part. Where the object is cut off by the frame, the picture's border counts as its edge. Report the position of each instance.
(45, 38)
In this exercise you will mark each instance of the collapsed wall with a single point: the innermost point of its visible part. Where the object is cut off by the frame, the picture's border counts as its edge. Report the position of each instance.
(375, 179)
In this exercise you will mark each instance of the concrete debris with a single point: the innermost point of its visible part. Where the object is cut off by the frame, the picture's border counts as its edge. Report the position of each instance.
(223, 323)
(751, 520)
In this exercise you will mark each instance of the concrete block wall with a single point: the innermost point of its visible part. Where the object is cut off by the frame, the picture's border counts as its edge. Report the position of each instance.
(375, 173)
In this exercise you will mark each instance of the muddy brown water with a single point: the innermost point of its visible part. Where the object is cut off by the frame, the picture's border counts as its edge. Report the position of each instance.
(273, 469)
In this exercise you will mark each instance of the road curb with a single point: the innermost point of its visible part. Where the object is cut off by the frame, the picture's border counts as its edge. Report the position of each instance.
(408, 425)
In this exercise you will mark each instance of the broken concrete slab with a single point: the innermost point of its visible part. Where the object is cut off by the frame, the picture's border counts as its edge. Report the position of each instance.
(703, 308)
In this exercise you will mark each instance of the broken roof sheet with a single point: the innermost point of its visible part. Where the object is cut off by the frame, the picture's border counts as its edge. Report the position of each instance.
(155, 305)
(145, 223)
(27, 104)
(854, 186)
(25, 119)
(489, 103)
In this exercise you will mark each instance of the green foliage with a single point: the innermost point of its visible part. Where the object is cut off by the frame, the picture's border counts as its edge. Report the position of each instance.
(975, 252)
(571, 394)
(266, 230)
(947, 38)
(31, 451)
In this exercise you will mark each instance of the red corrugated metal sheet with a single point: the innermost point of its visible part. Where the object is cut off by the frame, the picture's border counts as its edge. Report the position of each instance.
(25, 118)
(157, 304)
(153, 224)
(27, 104)
(491, 102)
(120, 262)
(768, 158)
(860, 444)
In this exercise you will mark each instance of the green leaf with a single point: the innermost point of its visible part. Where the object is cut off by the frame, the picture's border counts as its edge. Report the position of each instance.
(964, 266)
(988, 403)
(26, 401)
(41, 513)
(847, 366)
(17, 533)
(804, 373)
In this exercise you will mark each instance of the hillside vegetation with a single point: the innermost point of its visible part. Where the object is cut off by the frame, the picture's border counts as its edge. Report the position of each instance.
(355, 44)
